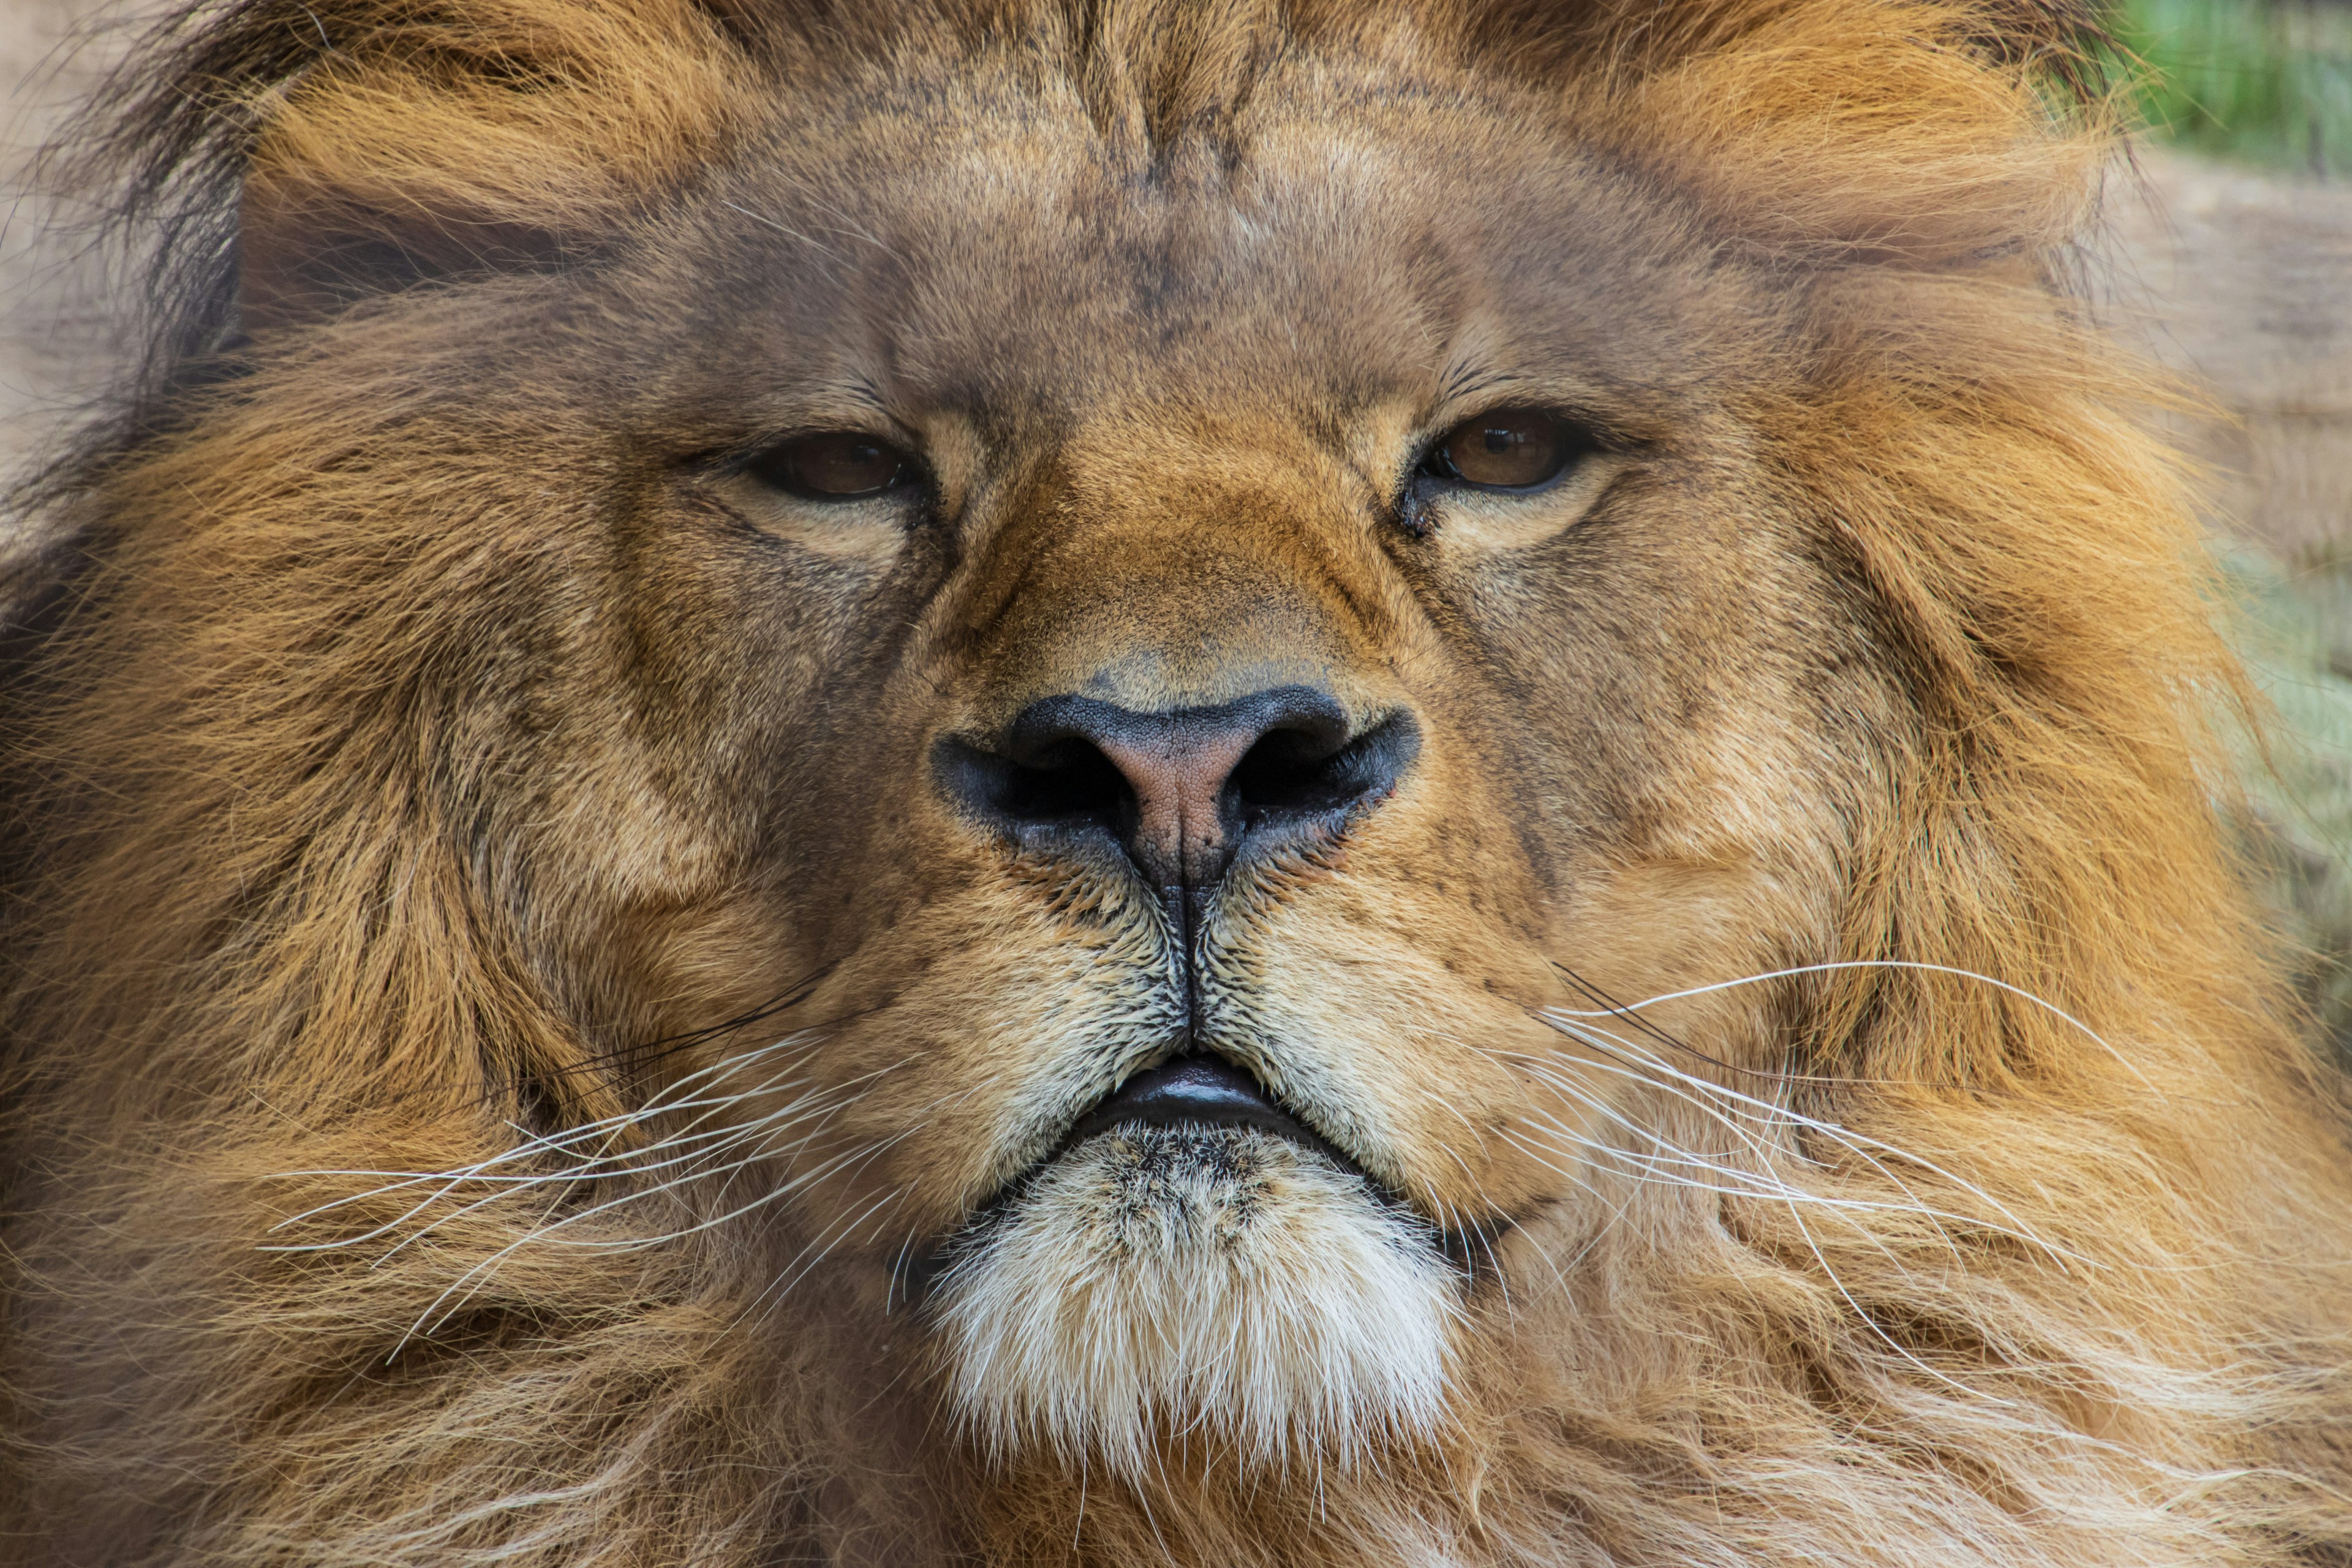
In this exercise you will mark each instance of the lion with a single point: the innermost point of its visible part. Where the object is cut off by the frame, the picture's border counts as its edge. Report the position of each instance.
(1116, 780)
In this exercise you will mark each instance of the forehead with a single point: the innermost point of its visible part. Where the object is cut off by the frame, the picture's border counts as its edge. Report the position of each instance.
(973, 231)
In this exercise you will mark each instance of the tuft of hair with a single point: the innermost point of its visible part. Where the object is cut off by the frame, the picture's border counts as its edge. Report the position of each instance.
(1253, 1301)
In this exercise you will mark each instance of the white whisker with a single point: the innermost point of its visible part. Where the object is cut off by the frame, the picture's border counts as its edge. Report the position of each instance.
(2018, 991)
(1774, 1113)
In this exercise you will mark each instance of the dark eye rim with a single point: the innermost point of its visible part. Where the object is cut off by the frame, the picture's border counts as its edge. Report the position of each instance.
(769, 465)
(1580, 440)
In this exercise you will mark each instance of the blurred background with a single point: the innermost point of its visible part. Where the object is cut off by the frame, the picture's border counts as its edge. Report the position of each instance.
(2226, 254)
(2229, 258)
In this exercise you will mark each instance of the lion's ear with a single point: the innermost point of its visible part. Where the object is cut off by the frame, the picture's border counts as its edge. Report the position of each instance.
(420, 141)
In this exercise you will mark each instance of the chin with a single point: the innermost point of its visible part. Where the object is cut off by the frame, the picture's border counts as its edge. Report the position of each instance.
(1167, 1279)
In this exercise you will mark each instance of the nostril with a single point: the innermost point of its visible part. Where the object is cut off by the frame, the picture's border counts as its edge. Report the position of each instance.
(1288, 770)
(1065, 782)
(1070, 781)
(1307, 772)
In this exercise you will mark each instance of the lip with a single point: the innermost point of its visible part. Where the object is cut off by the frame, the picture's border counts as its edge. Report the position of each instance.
(1203, 1091)
(1211, 1091)
(1199, 1091)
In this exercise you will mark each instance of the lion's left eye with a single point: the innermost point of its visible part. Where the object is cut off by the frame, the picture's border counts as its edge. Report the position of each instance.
(1507, 449)
(836, 465)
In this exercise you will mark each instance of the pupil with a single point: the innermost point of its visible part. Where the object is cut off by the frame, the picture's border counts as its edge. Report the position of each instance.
(842, 467)
(847, 465)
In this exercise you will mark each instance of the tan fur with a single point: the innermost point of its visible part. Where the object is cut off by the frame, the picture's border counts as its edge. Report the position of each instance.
(514, 1056)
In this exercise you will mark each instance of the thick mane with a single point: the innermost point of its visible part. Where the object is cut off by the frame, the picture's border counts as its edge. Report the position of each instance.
(2041, 1258)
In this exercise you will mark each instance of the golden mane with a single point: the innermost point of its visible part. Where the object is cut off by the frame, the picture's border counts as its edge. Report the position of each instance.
(2052, 1270)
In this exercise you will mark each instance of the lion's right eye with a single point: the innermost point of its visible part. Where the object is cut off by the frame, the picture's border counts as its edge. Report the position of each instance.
(837, 465)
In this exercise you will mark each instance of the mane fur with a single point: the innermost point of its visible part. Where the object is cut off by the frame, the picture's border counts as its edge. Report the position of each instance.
(2052, 1272)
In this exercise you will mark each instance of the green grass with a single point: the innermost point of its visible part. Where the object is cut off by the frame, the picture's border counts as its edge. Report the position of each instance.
(2267, 82)
(2297, 636)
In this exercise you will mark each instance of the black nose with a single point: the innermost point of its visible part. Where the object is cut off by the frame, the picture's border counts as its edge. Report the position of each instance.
(1183, 790)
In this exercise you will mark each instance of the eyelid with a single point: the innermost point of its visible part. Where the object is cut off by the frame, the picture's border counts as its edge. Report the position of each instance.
(737, 457)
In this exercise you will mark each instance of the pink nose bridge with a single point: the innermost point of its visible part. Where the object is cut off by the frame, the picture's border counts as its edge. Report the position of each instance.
(1179, 779)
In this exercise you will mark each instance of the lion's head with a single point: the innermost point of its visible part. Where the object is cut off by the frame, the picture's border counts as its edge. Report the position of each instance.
(1326, 783)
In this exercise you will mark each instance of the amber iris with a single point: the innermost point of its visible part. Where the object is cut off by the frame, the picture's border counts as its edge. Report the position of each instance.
(1505, 448)
(839, 466)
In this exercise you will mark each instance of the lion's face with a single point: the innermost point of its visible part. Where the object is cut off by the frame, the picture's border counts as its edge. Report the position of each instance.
(1293, 783)
(1158, 659)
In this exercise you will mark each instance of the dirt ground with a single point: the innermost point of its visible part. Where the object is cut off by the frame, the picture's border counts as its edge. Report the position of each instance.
(50, 342)
(2245, 281)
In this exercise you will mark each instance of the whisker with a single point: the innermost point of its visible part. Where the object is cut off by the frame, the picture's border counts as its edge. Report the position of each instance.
(629, 1162)
(479, 1274)
(1753, 1182)
(553, 1143)
(696, 1163)
(1859, 1144)
(1618, 1009)
(1792, 1199)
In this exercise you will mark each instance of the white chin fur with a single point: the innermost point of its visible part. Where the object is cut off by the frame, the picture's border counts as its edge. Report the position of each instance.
(1229, 1285)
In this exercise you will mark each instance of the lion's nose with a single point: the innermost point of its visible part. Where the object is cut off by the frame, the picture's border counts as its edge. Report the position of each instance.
(1183, 789)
